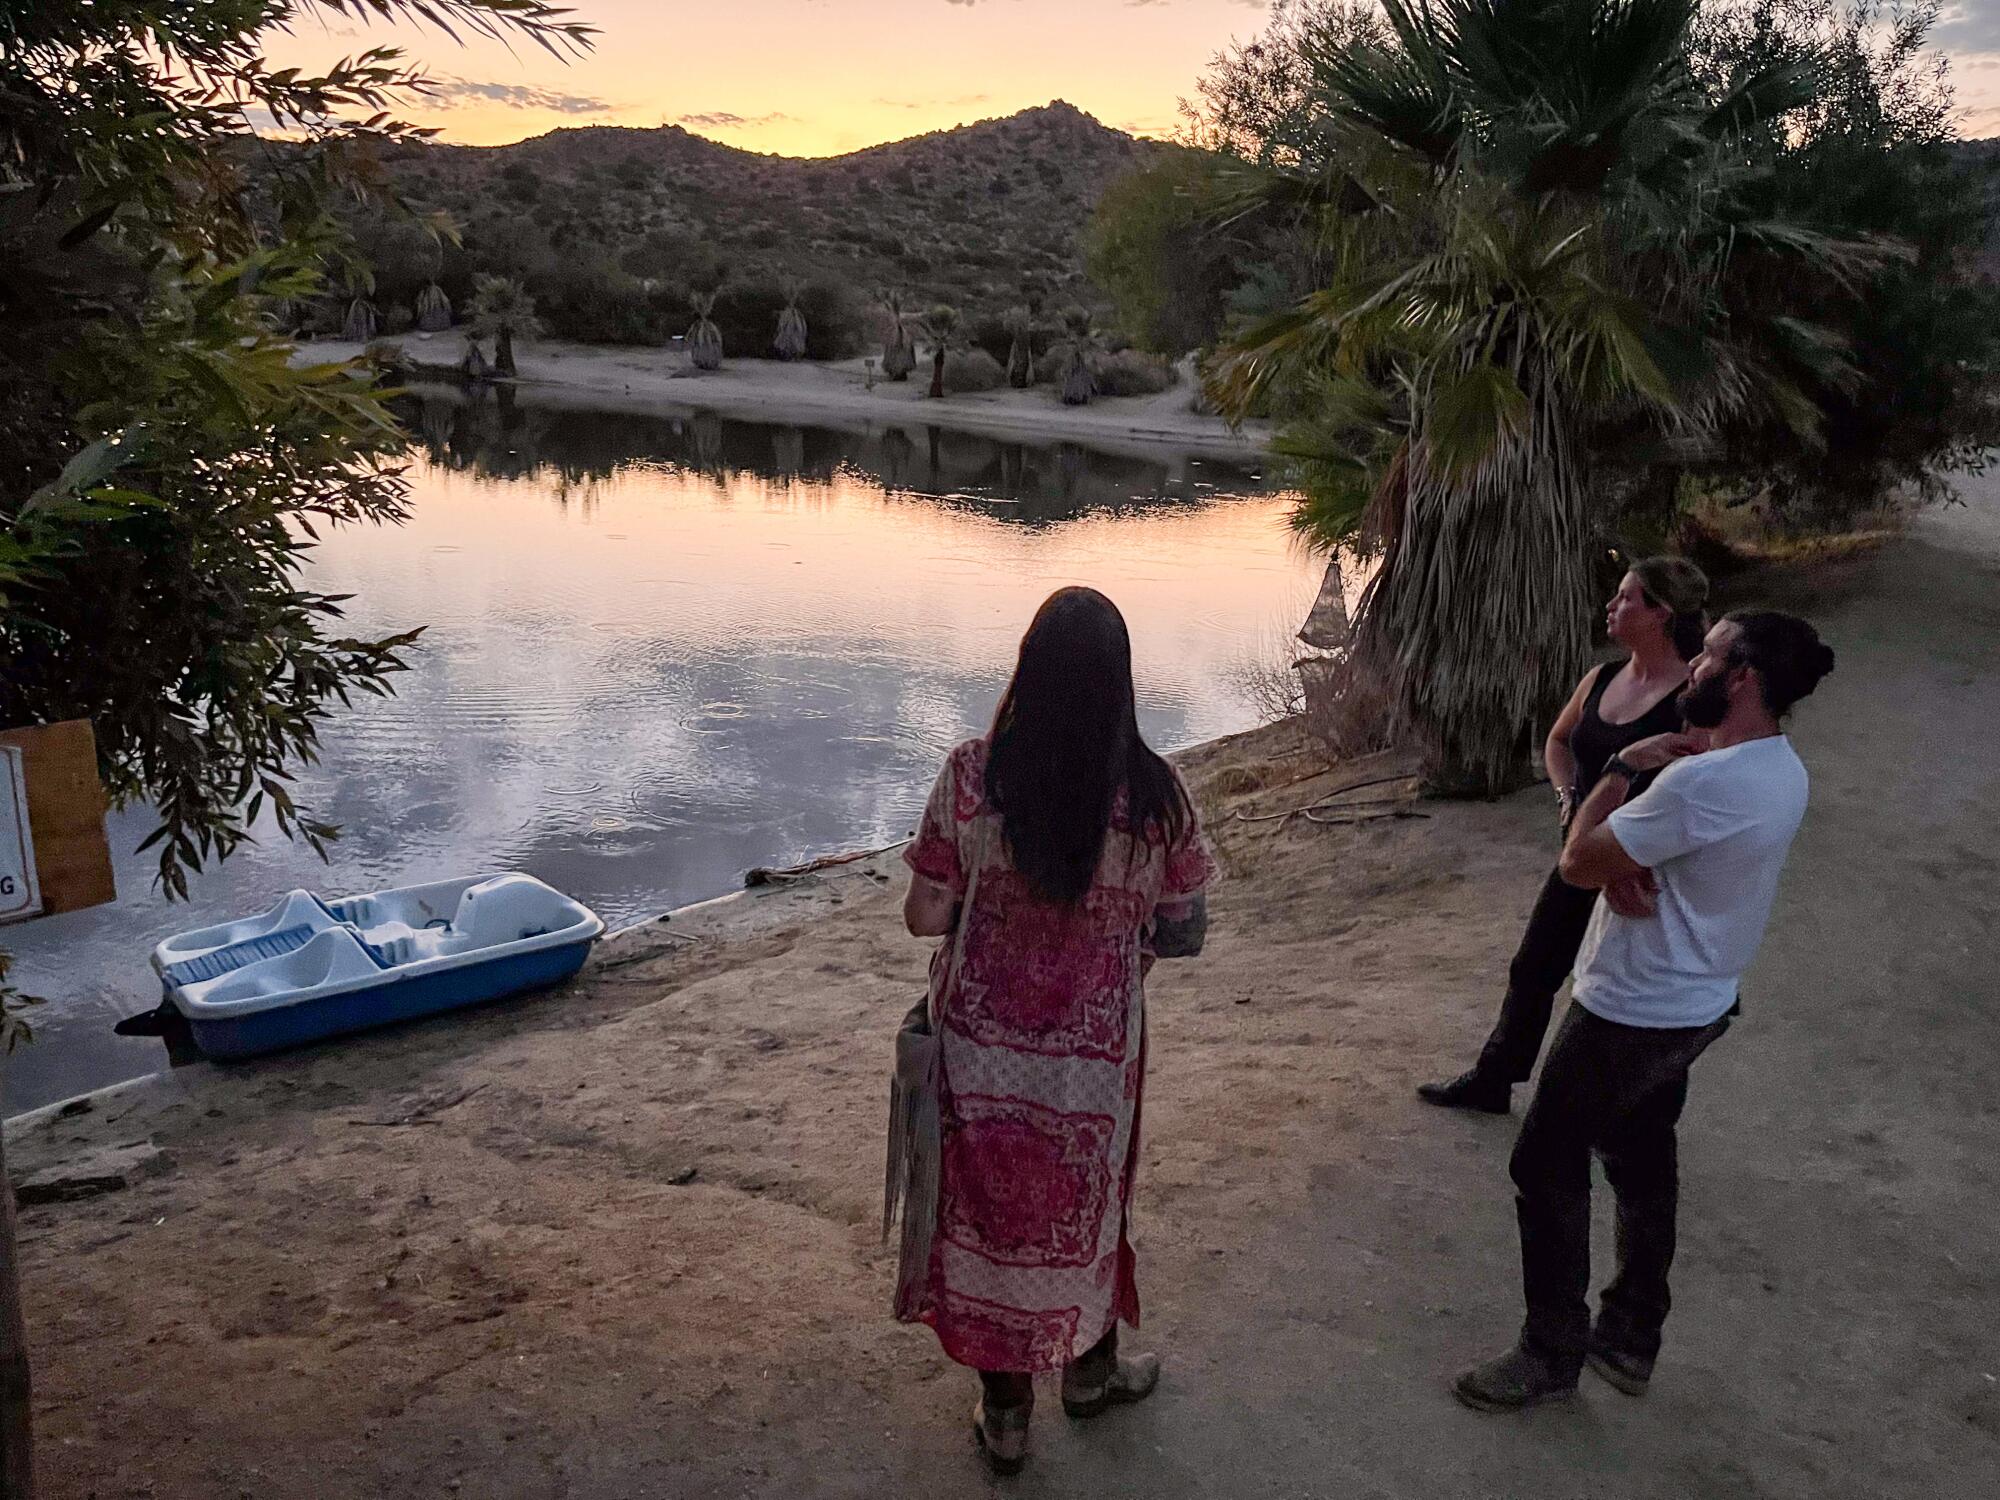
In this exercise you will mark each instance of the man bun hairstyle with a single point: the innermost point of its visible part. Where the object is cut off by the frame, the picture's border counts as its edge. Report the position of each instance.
(1678, 585)
(1788, 654)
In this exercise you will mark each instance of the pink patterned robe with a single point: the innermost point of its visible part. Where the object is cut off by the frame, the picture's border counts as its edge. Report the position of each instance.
(1044, 1062)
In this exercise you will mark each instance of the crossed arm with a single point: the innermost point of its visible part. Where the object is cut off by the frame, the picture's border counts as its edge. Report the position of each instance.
(1593, 859)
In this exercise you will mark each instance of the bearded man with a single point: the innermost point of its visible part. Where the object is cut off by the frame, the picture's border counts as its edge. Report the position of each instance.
(1688, 870)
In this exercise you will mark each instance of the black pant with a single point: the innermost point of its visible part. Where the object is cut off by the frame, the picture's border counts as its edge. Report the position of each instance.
(1541, 964)
(1005, 1388)
(1617, 1090)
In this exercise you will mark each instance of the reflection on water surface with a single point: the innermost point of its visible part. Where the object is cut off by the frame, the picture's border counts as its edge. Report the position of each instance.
(663, 650)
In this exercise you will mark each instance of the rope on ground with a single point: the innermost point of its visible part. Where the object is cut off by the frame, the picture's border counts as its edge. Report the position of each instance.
(1373, 817)
(1325, 800)
(762, 875)
(620, 960)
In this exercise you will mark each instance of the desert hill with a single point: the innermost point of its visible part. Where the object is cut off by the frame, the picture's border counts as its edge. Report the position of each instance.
(610, 226)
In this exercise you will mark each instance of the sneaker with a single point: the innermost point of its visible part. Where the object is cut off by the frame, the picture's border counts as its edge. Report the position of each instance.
(1512, 1381)
(1470, 1090)
(1002, 1435)
(1629, 1373)
(1130, 1380)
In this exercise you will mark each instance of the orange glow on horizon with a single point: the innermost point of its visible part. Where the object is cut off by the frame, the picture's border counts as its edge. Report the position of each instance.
(811, 77)
(826, 77)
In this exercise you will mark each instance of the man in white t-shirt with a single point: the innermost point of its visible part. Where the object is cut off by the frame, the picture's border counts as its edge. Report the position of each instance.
(1689, 870)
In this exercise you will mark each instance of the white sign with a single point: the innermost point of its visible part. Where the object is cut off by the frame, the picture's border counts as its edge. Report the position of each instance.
(20, 895)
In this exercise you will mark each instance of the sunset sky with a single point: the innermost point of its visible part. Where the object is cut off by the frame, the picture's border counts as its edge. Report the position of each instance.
(821, 77)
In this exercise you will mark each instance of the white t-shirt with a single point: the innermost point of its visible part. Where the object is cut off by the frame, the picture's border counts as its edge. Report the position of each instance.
(1714, 829)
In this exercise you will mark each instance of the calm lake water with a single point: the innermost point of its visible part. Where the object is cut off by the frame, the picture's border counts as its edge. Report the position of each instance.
(661, 651)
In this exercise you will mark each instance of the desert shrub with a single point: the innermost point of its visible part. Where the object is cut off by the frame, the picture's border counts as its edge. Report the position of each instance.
(592, 301)
(989, 332)
(973, 370)
(519, 181)
(836, 321)
(1132, 372)
(1346, 709)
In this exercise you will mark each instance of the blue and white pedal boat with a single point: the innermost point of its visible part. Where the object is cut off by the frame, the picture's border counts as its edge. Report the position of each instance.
(310, 968)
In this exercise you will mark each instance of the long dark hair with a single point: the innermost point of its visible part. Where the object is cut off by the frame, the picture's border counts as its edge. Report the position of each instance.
(1065, 739)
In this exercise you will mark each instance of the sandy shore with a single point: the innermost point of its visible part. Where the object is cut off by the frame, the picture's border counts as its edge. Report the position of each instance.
(621, 1240)
(651, 379)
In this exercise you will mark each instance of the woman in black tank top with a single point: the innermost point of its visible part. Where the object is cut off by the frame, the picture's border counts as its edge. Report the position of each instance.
(1595, 739)
(1657, 616)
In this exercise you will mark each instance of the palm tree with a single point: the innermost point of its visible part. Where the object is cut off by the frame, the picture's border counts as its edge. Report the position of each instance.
(944, 329)
(433, 309)
(899, 352)
(1020, 325)
(362, 321)
(503, 309)
(1539, 240)
(1078, 351)
(704, 339)
(791, 340)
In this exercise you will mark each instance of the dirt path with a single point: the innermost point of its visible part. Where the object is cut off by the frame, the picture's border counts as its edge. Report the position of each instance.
(469, 1258)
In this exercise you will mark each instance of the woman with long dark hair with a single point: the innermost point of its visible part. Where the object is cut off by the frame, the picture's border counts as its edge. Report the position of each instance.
(1658, 617)
(1085, 863)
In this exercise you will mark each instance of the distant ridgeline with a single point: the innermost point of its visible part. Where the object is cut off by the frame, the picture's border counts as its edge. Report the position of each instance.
(611, 229)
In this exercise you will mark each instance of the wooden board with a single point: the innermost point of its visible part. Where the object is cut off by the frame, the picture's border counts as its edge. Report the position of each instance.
(65, 814)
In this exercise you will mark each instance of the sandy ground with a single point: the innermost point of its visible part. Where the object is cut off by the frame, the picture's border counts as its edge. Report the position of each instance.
(621, 1241)
(770, 390)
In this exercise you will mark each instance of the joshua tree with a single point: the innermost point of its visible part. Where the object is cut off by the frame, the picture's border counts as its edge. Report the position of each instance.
(899, 353)
(704, 339)
(1079, 345)
(1020, 348)
(791, 340)
(944, 328)
(363, 322)
(433, 309)
(502, 308)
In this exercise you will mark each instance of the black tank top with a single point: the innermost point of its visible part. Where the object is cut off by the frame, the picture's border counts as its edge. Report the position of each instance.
(1593, 741)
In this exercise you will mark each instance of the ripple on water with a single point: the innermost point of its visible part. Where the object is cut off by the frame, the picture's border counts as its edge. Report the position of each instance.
(640, 740)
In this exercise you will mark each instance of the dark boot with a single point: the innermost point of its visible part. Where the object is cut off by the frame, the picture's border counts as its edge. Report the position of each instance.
(1516, 1379)
(1470, 1090)
(1088, 1393)
(1630, 1373)
(1002, 1435)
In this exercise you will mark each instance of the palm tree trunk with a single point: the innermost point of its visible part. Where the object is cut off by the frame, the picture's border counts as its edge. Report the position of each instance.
(503, 352)
(17, 1455)
(937, 373)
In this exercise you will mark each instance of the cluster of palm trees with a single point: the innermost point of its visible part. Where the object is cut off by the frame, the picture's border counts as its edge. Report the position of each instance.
(503, 310)
(1550, 272)
(1072, 338)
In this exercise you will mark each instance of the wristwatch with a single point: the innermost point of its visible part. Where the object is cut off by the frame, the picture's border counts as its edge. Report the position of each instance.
(1619, 766)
